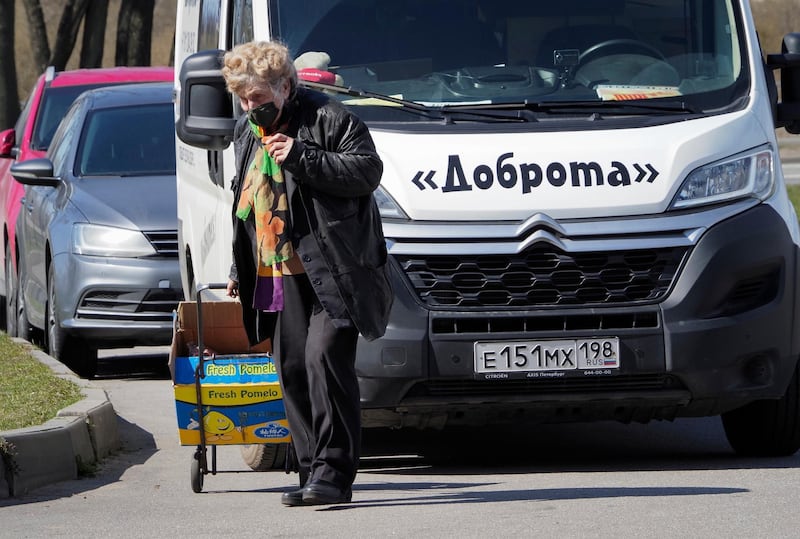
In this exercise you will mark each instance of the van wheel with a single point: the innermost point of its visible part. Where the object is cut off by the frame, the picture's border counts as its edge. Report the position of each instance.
(11, 296)
(265, 457)
(767, 428)
(68, 349)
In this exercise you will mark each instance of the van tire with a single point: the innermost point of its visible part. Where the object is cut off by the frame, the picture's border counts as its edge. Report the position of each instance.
(767, 428)
(265, 457)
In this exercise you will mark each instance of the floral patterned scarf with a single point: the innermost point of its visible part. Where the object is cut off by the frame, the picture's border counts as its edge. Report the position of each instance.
(264, 195)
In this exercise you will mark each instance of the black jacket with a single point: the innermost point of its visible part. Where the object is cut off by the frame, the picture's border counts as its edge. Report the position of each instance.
(336, 168)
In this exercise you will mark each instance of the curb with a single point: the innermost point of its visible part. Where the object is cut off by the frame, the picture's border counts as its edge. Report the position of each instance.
(79, 436)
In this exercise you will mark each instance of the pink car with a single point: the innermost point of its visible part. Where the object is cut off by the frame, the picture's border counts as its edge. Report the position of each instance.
(49, 100)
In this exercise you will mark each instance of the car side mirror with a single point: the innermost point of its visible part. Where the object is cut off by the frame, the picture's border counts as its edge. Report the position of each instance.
(204, 105)
(7, 140)
(788, 111)
(35, 172)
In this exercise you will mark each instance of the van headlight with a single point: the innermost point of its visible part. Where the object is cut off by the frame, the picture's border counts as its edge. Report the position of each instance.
(743, 175)
(389, 209)
(95, 240)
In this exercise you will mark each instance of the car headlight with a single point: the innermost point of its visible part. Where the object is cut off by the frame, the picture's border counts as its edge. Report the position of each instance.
(389, 209)
(743, 175)
(95, 240)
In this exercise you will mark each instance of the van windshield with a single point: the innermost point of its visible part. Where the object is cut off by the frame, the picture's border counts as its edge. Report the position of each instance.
(463, 52)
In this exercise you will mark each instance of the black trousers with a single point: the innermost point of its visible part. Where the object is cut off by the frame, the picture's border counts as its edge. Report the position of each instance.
(316, 365)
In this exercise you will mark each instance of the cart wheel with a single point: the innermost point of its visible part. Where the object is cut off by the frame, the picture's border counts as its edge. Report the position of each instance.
(197, 473)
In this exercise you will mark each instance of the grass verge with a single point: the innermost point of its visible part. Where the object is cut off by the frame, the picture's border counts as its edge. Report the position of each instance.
(30, 393)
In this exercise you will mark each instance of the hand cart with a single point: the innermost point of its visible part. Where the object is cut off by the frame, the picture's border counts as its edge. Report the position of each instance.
(226, 392)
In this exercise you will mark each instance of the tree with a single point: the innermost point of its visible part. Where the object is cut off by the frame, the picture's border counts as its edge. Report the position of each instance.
(38, 34)
(94, 33)
(67, 33)
(134, 32)
(9, 98)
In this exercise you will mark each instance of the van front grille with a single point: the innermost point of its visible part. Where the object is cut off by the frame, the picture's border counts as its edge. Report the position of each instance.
(544, 276)
(543, 386)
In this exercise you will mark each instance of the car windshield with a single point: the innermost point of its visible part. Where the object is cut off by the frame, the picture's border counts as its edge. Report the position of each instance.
(520, 52)
(55, 103)
(128, 141)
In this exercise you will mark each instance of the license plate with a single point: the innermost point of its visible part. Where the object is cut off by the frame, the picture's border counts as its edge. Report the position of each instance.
(551, 355)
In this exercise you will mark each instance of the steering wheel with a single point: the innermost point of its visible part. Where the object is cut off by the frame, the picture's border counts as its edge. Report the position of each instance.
(627, 45)
(592, 70)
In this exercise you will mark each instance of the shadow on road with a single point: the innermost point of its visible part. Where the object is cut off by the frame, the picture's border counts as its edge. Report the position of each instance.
(687, 444)
(147, 363)
(138, 446)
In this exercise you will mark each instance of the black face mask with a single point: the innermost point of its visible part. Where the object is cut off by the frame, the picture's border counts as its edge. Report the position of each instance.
(264, 115)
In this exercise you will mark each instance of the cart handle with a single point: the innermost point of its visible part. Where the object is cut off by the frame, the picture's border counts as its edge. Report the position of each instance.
(200, 371)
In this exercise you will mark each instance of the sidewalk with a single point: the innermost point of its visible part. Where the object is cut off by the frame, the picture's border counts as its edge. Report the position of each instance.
(77, 438)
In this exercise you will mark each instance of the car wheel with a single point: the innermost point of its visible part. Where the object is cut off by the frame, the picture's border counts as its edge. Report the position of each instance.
(68, 349)
(767, 428)
(265, 457)
(11, 296)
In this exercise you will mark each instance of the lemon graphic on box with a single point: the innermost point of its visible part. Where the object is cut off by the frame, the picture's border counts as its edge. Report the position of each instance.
(217, 426)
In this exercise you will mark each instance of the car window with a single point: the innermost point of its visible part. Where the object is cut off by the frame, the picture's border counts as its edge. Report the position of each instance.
(54, 105)
(128, 141)
(22, 121)
(64, 138)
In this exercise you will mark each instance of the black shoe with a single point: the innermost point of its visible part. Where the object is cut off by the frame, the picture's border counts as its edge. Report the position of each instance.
(293, 497)
(319, 492)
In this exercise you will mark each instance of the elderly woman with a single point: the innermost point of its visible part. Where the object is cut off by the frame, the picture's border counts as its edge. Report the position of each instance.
(309, 254)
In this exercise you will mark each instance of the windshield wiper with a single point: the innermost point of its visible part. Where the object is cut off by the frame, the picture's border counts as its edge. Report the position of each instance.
(437, 112)
(618, 107)
(364, 94)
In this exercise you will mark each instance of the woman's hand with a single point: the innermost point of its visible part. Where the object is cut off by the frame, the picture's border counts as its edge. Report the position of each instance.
(232, 289)
(279, 146)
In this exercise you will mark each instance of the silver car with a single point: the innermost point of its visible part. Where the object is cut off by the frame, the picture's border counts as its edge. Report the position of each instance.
(98, 227)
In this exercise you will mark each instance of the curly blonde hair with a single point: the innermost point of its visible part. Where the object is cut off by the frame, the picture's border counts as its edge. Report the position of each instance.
(258, 64)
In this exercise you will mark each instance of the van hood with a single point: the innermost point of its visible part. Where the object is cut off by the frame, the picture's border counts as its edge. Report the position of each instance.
(136, 202)
(570, 174)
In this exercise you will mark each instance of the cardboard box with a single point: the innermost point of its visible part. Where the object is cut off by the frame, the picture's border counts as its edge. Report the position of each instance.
(240, 395)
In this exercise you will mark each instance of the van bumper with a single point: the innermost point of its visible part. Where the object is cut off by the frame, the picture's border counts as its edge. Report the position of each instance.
(721, 338)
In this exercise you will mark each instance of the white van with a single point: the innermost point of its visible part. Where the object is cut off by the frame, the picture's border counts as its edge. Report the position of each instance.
(583, 202)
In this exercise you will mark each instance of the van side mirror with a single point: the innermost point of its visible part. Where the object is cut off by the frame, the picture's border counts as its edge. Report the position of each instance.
(789, 63)
(205, 110)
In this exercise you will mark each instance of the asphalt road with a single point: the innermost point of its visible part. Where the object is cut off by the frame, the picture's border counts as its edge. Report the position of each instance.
(602, 480)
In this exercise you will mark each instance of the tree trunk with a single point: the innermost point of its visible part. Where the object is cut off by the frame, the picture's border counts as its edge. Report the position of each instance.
(172, 49)
(67, 33)
(9, 99)
(38, 34)
(94, 34)
(134, 32)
